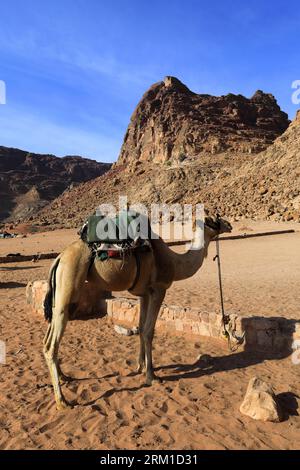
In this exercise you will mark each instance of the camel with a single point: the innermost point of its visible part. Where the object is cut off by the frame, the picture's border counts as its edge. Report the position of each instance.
(158, 269)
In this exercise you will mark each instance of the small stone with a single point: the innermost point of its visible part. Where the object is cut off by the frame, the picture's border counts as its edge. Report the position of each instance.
(122, 330)
(263, 191)
(260, 402)
(126, 331)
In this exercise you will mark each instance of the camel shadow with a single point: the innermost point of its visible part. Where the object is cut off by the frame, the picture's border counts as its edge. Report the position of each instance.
(68, 379)
(108, 394)
(88, 309)
(208, 365)
(204, 366)
(275, 333)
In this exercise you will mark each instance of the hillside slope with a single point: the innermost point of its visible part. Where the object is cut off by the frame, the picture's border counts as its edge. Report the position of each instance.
(30, 181)
(266, 186)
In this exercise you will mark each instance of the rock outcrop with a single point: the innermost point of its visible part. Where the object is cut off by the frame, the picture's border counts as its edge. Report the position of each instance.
(29, 181)
(173, 123)
(260, 402)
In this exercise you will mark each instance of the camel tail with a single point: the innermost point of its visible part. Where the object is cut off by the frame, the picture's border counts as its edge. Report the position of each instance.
(50, 295)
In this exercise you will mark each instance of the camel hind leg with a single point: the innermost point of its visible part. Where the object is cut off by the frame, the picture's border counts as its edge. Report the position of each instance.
(51, 347)
(54, 335)
(70, 277)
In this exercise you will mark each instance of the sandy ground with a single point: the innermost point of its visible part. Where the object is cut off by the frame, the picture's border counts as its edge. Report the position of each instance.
(196, 406)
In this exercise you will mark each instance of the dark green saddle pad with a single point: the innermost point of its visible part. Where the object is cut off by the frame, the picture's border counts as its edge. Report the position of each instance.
(123, 227)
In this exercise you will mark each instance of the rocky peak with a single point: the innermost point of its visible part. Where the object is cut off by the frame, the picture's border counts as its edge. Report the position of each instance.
(172, 122)
(175, 84)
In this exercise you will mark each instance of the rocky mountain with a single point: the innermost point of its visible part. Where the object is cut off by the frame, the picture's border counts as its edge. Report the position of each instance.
(172, 123)
(29, 181)
(235, 182)
(264, 186)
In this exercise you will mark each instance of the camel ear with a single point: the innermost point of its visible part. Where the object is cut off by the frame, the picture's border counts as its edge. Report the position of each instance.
(211, 223)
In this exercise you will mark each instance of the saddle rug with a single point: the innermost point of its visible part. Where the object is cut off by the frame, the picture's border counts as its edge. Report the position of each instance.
(116, 236)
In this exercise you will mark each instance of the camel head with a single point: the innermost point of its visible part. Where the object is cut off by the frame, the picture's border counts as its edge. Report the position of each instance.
(218, 224)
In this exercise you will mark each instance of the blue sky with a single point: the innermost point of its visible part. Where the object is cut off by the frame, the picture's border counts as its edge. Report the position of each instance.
(75, 70)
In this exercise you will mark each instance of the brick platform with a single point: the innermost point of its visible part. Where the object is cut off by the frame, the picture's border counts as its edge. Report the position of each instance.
(274, 334)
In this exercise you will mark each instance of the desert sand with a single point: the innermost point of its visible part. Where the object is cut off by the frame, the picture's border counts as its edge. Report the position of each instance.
(197, 405)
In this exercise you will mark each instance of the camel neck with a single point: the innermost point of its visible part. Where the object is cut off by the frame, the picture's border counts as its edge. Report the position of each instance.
(187, 264)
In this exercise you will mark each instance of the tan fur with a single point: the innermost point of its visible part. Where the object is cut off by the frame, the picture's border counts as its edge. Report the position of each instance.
(159, 268)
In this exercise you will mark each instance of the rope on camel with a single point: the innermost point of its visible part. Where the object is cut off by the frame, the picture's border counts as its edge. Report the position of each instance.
(225, 318)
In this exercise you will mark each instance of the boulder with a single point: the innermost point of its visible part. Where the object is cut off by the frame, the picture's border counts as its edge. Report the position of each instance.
(126, 331)
(260, 402)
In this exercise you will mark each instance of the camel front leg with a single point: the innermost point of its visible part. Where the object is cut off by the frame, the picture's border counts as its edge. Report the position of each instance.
(144, 302)
(155, 301)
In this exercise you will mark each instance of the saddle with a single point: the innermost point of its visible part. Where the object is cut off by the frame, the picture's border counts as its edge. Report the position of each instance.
(117, 237)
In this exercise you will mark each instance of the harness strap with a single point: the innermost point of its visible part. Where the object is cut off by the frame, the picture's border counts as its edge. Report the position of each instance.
(92, 259)
(137, 259)
(225, 317)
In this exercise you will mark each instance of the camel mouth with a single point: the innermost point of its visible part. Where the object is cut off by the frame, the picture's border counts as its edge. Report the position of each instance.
(225, 226)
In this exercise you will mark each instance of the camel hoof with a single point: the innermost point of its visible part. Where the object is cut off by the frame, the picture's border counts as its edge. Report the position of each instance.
(63, 379)
(140, 369)
(153, 378)
(62, 405)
